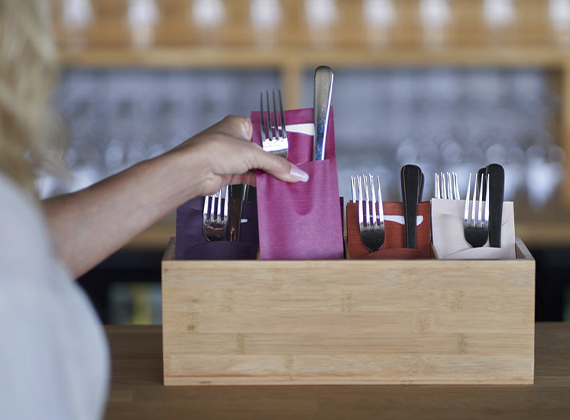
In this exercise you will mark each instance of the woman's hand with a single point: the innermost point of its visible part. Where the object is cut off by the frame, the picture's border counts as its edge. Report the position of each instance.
(224, 154)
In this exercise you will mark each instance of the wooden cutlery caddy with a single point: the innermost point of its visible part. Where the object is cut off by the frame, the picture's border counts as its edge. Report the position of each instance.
(348, 321)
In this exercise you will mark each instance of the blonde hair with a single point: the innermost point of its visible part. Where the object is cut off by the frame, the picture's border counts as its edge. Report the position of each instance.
(28, 71)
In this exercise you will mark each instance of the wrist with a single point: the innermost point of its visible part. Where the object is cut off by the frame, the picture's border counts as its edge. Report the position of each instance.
(188, 171)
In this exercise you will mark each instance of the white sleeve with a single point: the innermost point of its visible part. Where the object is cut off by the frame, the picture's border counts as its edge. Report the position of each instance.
(54, 360)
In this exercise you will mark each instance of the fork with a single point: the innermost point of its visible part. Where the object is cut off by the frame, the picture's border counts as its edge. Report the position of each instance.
(273, 131)
(215, 216)
(372, 227)
(476, 216)
(447, 186)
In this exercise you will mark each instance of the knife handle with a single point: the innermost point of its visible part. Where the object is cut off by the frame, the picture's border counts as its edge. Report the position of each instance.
(324, 77)
(421, 188)
(411, 180)
(237, 197)
(496, 174)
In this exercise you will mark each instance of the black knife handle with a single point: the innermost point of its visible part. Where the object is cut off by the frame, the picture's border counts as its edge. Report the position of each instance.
(421, 189)
(496, 174)
(411, 180)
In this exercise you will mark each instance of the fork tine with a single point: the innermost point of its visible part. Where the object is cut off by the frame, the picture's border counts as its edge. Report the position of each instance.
(480, 203)
(218, 204)
(283, 127)
(206, 211)
(373, 221)
(449, 187)
(380, 204)
(367, 192)
(276, 124)
(457, 194)
(436, 187)
(226, 200)
(263, 126)
(270, 113)
(360, 215)
(267, 116)
(353, 188)
(474, 199)
(466, 213)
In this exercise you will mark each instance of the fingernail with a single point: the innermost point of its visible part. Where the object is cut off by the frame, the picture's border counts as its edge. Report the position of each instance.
(298, 174)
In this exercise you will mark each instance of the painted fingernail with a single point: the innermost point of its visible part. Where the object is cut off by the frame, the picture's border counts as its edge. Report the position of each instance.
(298, 174)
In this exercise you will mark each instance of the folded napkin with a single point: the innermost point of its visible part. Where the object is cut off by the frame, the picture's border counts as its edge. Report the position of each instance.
(192, 245)
(449, 242)
(300, 221)
(394, 241)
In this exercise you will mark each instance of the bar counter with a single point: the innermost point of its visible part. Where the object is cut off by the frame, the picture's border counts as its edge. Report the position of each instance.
(137, 390)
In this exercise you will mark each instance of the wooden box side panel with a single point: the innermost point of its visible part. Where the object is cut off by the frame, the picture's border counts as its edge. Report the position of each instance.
(348, 322)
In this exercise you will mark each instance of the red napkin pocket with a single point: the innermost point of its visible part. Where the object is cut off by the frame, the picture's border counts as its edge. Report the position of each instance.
(394, 241)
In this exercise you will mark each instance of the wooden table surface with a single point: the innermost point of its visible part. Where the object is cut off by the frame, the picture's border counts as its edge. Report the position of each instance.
(137, 391)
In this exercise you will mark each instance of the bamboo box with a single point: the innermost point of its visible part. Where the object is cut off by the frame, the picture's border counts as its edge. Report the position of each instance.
(348, 321)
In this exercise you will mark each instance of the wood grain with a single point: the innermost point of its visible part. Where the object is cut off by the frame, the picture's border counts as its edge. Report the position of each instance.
(137, 390)
(348, 322)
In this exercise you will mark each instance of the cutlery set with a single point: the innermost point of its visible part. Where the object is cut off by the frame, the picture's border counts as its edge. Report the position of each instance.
(370, 223)
(215, 216)
(273, 128)
(482, 218)
(483, 211)
(371, 218)
(483, 207)
(222, 211)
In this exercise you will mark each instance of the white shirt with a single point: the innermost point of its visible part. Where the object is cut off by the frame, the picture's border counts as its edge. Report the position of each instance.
(54, 357)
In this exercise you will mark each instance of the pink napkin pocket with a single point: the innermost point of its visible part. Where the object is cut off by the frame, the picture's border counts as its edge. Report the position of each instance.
(300, 221)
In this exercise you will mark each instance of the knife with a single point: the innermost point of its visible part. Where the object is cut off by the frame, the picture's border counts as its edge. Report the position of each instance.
(411, 179)
(324, 77)
(496, 174)
(238, 194)
(421, 188)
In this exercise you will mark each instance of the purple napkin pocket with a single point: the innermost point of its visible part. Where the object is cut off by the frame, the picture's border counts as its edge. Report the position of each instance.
(192, 245)
(300, 221)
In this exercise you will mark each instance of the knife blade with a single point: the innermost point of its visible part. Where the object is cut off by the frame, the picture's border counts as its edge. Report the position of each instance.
(411, 177)
(496, 174)
(324, 78)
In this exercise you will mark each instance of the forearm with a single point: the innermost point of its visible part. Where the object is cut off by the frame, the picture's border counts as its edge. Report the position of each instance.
(91, 224)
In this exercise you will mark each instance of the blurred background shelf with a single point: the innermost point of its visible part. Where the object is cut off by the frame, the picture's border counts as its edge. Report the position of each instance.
(446, 84)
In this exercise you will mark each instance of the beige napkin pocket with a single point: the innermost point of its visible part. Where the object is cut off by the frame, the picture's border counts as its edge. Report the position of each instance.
(449, 242)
